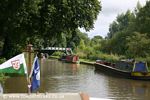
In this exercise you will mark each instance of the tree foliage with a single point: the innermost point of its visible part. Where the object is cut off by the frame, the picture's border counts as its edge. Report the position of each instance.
(129, 34)
(138, 45)
(50, 22)
(121, 23)
(143, 19)
(119, 30)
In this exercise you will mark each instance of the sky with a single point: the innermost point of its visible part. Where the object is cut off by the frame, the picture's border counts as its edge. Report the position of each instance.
(109, 12)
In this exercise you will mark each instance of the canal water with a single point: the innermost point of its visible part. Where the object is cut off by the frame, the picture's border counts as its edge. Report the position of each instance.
(58, 77)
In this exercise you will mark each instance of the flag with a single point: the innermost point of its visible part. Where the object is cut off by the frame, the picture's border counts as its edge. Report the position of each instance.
(15, 65)
(35, 75)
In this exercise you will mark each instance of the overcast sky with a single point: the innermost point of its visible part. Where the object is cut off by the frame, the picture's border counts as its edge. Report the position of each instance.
(110, 10)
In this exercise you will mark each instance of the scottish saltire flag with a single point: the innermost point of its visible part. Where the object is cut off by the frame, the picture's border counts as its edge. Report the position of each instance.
(35, 75)
(15, 65)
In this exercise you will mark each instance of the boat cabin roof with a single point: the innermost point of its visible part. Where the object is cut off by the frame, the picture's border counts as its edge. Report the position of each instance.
(140, 67)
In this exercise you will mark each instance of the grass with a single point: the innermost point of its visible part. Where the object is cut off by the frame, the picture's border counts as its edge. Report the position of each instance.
(87, 60)
(56, 57)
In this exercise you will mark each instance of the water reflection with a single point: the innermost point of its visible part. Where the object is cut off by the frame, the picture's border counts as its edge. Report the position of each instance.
(57, 76)
(127, 89)
(15, 85)
(65, 77)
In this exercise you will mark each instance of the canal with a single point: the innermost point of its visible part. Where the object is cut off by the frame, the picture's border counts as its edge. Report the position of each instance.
(57, 77)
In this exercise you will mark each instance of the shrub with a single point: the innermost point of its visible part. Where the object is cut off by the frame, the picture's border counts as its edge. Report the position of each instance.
(2, 76)
(2, 60)
(58, 53)
(107, 57)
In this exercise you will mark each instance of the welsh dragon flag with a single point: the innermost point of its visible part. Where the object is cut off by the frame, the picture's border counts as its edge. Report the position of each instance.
(15, 65)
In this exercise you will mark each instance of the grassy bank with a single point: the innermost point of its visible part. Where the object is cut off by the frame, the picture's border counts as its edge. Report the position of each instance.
(82, 61)
(93, 56)
(99, 56)
(87, 61)
(55, 57)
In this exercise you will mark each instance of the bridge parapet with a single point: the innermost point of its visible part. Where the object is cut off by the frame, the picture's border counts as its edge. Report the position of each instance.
(57, 48)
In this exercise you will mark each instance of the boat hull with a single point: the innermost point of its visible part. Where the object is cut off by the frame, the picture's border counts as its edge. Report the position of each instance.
(120, 73)
(70, 59)
(140, 75)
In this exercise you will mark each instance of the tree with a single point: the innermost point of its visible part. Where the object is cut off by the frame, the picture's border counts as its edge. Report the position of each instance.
(65, 16)
(51, 20)
(138, 7)
(8, 12)
(96, 39)
(74, 40)
(119, 30)
(121, 23)
(96, 43)
(138, 45)
(143, 19)
(113, 28)
(129, 34)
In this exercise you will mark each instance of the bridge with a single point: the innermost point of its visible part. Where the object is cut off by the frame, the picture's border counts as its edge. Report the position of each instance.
(57, 49)
(67, 50)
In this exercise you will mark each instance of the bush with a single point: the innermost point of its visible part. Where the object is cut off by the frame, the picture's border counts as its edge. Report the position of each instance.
(2, 60)
(107, 57)
(2, 76)
(82, 55)
(58, 53)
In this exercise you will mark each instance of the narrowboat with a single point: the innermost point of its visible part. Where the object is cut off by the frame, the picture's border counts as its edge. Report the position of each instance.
(70, 59)
(125, 69)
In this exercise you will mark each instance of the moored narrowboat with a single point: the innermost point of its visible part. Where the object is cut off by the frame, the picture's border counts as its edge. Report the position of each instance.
(70, 59)
(125, 69)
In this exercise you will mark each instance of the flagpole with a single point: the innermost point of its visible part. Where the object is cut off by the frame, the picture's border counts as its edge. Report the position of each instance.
(29, 50)
(29, 85)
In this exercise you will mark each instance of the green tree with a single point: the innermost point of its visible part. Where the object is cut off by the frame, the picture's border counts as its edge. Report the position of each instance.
(138, 7)
(96, 39)
(129, 34)
(113, 28)
(74, 40)
(96, 43)
(121, 23)
(65, 16)
(82, 45)
(138, 45)
(143, 19)
(119, 30)
(50, 20)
